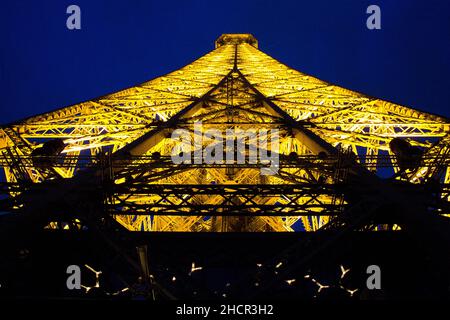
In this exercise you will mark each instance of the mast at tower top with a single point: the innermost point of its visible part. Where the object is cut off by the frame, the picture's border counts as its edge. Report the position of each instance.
(236, 38)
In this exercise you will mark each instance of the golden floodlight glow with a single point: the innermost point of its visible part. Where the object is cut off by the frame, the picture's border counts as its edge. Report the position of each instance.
(235, 86)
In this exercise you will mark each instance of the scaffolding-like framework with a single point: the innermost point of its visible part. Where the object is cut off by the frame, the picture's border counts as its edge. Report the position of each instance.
(336, 166)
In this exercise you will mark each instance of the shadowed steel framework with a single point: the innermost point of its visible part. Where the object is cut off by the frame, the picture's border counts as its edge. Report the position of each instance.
(345, 158)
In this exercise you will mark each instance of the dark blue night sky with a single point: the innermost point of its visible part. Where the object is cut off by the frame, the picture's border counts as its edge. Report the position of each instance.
(45, 66)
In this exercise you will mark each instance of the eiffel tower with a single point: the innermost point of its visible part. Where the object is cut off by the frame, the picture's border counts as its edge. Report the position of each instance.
(335, 145)
(346, 163)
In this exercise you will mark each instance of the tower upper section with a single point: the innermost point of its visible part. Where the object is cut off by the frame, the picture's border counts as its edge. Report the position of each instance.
(236, 38)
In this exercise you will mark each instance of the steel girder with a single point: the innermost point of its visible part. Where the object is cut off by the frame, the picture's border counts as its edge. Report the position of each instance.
(234, 86)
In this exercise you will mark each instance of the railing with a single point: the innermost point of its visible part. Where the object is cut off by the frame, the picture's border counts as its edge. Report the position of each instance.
(85, 161)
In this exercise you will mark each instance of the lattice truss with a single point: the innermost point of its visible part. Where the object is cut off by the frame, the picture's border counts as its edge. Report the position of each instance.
(235, 86)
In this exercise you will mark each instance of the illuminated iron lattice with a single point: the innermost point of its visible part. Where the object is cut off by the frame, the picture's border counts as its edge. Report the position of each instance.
(234, 86)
